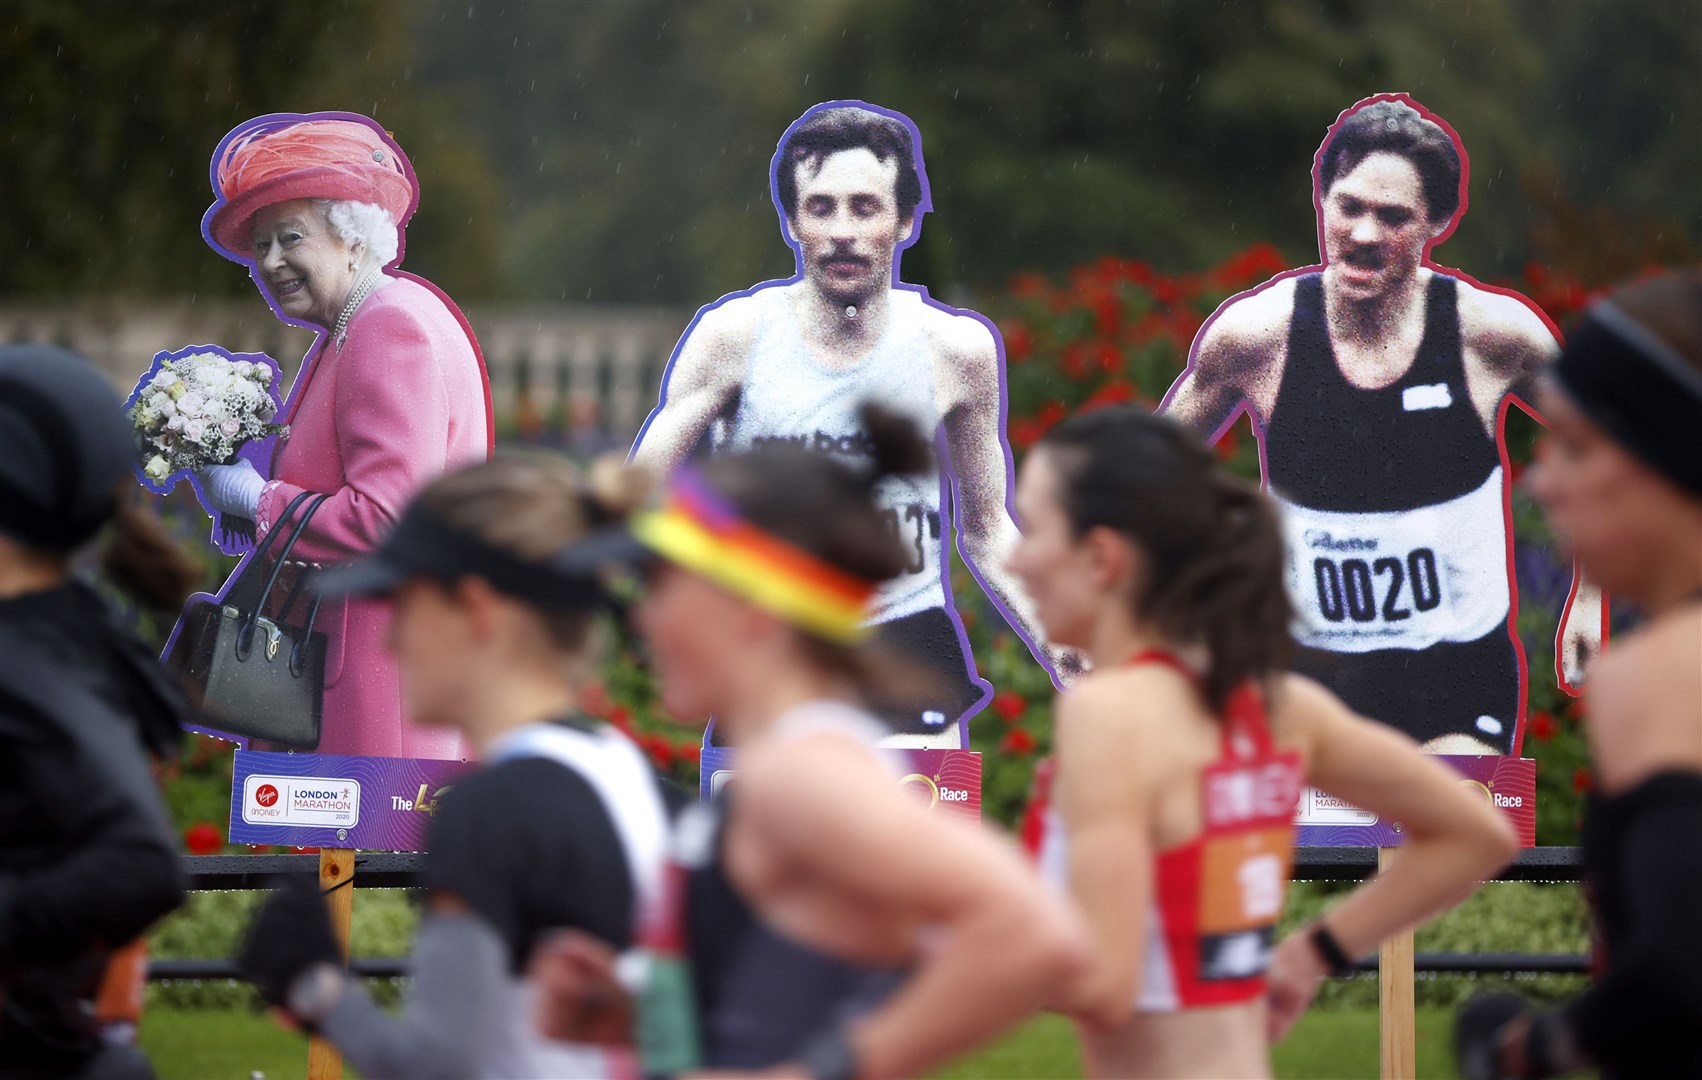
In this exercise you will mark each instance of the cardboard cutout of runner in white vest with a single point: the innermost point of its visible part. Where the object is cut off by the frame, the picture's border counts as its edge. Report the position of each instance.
(794, 359)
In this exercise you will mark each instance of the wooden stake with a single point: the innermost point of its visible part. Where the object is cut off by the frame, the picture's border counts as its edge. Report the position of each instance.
(1397, 1022)
(336, 881)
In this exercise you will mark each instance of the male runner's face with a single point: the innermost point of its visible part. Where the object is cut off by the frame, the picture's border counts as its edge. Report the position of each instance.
(1375, 226)
(847, 224)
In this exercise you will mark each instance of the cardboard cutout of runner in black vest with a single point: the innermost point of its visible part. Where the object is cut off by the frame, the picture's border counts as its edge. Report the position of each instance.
(1378, 384)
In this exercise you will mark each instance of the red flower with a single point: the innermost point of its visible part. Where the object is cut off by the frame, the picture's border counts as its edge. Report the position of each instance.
(1028, 285)
(1072, 362)
(621, 717)
(1536, 274)
(1114, 392)
(1024, 433)
(967, 618)
(661, 754)
(1017, 741)
(1582, 781)
(203, 838)
(594, 699)
(1107, 313)
(1019, 343)
(1050, 413)
(1010, 705)
(1147, 327)
(307, 851)
(690, 750)
(1110, 357)
(1542, 726)
(1228, 443)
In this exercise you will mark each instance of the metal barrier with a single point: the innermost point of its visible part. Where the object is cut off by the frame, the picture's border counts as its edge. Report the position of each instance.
(401, 870)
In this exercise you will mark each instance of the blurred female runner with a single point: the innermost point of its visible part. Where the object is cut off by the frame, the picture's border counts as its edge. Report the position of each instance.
(1181, 758)
(1620, 478)
(822, 867)
(563, 826)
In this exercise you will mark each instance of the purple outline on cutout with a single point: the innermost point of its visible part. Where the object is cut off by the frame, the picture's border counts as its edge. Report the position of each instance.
(1429, 263)
(948, 476)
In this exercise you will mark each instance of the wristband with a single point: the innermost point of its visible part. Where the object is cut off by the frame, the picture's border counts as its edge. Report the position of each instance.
(1330, 951)
(829, 1056)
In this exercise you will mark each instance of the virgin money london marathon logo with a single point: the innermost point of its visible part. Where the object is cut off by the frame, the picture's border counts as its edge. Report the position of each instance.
(323, 802)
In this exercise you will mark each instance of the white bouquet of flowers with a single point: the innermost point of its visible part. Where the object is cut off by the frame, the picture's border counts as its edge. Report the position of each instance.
(198, 410)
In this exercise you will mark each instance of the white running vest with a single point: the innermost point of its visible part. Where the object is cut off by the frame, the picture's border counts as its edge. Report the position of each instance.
(787, 396)
(1403, 579)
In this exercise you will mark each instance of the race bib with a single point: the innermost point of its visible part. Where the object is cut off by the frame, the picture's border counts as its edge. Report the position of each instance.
(1245, 851)
(1406, 579)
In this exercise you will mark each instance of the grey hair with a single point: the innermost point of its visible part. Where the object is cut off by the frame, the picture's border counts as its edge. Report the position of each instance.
(360, 222)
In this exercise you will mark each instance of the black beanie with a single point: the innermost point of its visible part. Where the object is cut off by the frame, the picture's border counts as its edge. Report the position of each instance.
(65, 443)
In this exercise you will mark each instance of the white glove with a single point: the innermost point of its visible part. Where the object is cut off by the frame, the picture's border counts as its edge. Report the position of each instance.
(233, 489)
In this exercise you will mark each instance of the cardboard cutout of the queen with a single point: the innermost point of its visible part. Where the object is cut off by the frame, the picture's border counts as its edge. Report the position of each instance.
(392, 394)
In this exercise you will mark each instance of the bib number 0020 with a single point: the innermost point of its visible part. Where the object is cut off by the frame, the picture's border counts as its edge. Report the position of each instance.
(1350, 588)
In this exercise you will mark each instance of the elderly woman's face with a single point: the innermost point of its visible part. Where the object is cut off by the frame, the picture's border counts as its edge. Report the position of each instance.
(307, 267)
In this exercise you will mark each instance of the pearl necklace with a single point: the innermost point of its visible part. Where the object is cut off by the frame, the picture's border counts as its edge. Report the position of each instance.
(363, 288)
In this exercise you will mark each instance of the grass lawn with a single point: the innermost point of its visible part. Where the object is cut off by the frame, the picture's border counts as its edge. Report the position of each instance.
(194, 1044)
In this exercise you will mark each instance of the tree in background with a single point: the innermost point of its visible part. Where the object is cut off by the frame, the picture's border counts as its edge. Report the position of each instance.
(111, 113)
(619, 152)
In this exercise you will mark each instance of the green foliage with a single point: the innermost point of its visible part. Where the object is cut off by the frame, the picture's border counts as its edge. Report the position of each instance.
(212, 925)
(619, 152)
(1499, 918)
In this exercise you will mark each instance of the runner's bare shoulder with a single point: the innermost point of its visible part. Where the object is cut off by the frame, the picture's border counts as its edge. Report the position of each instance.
(963, 349)
(1248, 335)
(714, 350)
(1504, 330)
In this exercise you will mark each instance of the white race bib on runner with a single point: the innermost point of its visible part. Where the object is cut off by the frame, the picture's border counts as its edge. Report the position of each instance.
(1404, 579)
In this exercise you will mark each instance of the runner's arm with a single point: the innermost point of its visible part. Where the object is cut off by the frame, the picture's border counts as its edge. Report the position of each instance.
(1518, 348)
(454, 1011)
(697, 387)
(980, 475)
(1208, 394)
(997, 946)
(1453, 839)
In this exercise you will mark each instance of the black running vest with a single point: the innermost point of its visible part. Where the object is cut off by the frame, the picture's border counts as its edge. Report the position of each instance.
(1418, 441)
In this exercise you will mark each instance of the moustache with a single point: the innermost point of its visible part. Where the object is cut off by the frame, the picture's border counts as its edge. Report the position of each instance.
(862, 262)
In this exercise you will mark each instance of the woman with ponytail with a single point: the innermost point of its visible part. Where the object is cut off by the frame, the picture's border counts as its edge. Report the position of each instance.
(1181, 758)
(820, 921)
(87, 856)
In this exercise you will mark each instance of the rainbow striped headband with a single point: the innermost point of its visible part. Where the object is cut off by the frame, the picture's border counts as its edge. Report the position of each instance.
(698, 530)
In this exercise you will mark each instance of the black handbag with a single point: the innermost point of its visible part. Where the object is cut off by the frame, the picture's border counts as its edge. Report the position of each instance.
(251, 673)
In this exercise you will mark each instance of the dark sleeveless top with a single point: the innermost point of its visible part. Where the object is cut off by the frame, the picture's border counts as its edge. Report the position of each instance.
(1643, 865)
(762, 997)
(1418, 441)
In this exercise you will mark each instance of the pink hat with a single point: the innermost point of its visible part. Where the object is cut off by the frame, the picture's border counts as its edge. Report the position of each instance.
(308, 159)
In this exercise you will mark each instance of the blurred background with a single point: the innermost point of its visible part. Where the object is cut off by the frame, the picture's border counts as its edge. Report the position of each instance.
(618, 152)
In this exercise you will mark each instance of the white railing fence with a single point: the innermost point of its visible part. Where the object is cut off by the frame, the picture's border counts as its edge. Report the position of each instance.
(580, 372)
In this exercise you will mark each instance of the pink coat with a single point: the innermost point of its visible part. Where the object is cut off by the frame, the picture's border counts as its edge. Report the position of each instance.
(404, 400)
